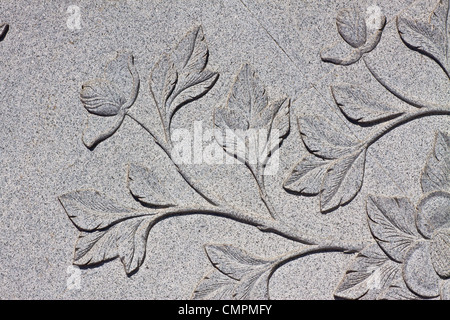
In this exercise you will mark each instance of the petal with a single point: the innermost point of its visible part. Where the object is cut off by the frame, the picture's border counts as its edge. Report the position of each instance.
(101, 97)
(433, 213)
(418, 271)
(440, 252)
(101, 128)
(341, 53)
(352, 26)
(445, 290)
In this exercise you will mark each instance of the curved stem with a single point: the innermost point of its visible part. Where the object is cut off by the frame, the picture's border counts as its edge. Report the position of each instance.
(419, 113)
(262, 223)
(259, 178)
(167, 151)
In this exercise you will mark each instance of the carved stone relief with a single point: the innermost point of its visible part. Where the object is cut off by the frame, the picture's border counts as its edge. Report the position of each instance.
(407, 252)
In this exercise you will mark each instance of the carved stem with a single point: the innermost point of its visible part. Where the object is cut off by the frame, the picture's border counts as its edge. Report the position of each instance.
(262, 223)
(419, 113)
(167, 151)
(258, 175)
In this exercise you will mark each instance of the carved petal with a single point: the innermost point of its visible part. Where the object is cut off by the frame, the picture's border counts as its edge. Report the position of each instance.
(100, 128)
(433, 213)
(436, 174)
(440, 252)
(391, 221)
(418, 271)
(398, 291)
(101, 97)
(341, 53)
(445, 290)
(352, 26)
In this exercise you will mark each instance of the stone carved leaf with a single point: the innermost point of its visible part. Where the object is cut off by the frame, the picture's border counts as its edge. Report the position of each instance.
(126, 240)
(307, 176)
(108, 230)
(214, 286)
(368, 275)
(148, 188)
(251, 273)
(323, 138)
(342, 181)
(180, 77)
(431, 37)
(232, 261)
(352, 27)
(90, 210)
(436, 174)
(392, 223)
(248, 108)
(358, 105)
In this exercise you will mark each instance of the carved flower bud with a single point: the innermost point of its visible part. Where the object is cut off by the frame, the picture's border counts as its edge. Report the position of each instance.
(100, 97)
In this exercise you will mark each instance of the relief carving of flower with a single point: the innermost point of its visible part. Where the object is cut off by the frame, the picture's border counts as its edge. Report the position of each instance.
(360, 32)
(108, 99)
(427, 262)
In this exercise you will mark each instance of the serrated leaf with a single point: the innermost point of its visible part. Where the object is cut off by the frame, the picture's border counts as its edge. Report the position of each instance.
(147, 187)
(342, 181)
(190, 87)
(323, 138)
(369, 273)
(215, 286)
(307, 176)
(358, 105)
(163, 79)
(392, 223)
(251, 127)
(126, 240)
(428, 37)
(90, 210)
(132, 242)
(279, 128)
(352, 26)
(436, 174)
(193, 81)
(232, 261)
(254, 286)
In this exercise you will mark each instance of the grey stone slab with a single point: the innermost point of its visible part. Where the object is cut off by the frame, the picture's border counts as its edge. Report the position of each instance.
(117, 180)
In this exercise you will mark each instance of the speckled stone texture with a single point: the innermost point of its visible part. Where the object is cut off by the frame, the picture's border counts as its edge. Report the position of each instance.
(225, 149)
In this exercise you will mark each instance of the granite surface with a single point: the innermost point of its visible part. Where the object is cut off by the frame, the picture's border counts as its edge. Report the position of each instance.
(225, 149)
